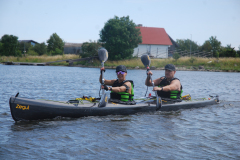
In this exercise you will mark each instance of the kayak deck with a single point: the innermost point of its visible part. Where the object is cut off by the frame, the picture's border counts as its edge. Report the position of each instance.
(31, 109)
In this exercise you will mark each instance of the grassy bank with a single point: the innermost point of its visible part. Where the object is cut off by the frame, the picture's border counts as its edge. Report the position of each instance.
(183, 63)
(40, 59)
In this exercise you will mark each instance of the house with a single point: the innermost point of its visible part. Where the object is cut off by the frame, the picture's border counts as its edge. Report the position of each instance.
(72, 48)
(155, 42)
(28, 41)
(173, 48)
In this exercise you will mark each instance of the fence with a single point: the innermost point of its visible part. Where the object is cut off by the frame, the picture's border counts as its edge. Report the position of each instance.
(162, 53)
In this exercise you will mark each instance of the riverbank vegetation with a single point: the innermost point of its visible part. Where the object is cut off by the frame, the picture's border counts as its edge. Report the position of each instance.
(11, 46)
(40, 59)
(182, 63)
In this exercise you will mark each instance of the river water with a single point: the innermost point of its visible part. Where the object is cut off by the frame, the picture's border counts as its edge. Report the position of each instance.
(211, 132)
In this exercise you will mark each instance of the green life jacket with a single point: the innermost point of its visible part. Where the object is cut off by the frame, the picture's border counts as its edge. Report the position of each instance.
(171, 94)
(123, 96)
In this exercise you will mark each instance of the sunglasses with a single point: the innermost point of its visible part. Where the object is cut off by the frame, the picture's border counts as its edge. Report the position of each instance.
(120, 72)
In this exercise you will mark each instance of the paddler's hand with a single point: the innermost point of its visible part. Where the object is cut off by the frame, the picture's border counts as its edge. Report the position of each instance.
(102, 70)
(105, 87)
(157, 89)
(149, 73)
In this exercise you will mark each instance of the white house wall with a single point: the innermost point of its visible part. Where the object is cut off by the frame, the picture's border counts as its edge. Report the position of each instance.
(157, 51)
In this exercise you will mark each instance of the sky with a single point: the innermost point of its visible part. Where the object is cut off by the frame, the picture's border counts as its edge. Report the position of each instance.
(78, 21)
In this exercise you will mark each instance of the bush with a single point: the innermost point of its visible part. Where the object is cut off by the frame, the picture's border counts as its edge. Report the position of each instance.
(176, 56)
(32, 53)
(41, 48)
(192, 59)
(238, 54)
(57, 52)
(18, 53)
(90, 49)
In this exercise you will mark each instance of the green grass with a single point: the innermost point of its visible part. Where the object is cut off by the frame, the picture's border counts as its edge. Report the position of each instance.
(38, 59)
(224, 64)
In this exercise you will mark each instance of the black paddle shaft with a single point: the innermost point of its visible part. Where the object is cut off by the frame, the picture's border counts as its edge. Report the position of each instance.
(103, 56)
(146, 62)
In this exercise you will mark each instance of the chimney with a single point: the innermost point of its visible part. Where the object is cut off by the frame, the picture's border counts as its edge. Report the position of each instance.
(139, 25)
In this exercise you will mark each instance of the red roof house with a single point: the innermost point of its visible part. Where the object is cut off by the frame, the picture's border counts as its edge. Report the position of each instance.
(155, 42)
(157, 36)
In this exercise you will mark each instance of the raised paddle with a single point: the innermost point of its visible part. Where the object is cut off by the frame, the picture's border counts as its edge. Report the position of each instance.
(146, 62)
(103, 56)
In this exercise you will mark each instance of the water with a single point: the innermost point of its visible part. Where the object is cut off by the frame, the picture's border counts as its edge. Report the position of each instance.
(212, 132)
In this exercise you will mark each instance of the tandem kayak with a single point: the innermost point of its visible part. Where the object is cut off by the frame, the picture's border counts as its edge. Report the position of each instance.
(32, 109)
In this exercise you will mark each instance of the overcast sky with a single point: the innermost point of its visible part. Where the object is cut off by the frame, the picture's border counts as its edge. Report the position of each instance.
(78, 21)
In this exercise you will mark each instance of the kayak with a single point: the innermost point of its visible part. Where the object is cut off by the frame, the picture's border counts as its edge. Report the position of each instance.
(32, 109)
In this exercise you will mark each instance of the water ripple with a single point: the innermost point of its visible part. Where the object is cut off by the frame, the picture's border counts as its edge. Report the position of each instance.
(212, 132)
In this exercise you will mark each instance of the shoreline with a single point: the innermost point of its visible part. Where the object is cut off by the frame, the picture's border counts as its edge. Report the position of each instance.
(141, 68)
(154, 68)
(227, 64)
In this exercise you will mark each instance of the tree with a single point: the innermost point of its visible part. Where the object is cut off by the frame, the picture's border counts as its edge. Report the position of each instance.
(32, 52)
(206, 46)
(184, 45)
(90, 49)
(216, 45)
(228, 52)
(40, 48)
(55, 44)
(1, 48)
(238, 52)
(176, 56)
(120, 36)
(9, 45)
(24, 46)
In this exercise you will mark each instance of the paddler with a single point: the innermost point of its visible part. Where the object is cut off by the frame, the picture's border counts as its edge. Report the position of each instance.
(167, 86)
(121, 89)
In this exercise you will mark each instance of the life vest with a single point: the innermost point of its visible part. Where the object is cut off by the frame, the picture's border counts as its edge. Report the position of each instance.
(170, 94)
(122, 96)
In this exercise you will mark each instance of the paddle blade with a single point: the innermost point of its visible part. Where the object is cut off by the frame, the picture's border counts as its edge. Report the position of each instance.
(158, 103)
(103, 101)
(146, 60)
(103, 55)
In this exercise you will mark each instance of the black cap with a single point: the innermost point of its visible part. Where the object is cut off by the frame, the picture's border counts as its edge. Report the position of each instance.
(170, 67)
(121, 68)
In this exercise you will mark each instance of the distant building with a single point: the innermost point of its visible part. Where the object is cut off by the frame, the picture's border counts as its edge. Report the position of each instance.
(32, 42)
(172, 48)
(155, 42)
(72, 48)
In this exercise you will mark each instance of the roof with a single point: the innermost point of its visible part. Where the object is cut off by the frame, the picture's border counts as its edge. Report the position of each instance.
(72, 44)
(173, 42)
(27, 41)
(151, 35)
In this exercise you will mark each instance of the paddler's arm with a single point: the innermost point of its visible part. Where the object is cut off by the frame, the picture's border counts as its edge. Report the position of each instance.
(174, 86)
(148, 80)
(122, 88)
(107, 82)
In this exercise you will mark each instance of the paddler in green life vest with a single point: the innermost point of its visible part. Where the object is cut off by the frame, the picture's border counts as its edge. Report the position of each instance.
(168, 86)
(122, 89)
